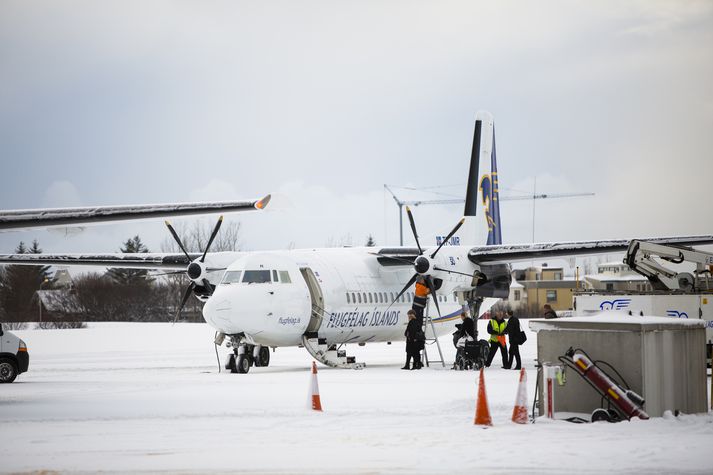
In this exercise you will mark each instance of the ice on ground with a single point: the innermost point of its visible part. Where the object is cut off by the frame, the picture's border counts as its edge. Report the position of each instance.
(148, 397)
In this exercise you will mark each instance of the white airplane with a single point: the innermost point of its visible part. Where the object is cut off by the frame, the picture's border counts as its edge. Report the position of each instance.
(324, 298)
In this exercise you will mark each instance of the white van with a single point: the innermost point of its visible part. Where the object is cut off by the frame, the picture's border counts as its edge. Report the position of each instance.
(14, 358)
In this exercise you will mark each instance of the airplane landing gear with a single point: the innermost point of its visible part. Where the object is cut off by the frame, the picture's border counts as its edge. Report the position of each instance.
(245, 355)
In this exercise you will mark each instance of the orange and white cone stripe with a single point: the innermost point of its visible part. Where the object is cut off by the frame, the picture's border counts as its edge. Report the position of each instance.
(519, 412)
(314, 401)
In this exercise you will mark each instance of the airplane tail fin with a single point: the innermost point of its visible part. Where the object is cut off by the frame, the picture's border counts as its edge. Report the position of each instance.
(482, 188)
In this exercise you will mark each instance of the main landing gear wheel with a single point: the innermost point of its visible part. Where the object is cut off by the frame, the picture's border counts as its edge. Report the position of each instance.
(242, 364)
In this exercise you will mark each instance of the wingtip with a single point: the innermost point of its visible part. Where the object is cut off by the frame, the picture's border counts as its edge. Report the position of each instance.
(261, 204)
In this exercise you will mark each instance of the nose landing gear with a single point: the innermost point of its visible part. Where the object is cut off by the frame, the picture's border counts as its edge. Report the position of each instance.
(245, 355)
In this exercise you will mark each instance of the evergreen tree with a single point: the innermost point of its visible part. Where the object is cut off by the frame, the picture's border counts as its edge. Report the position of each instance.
(19, 284)
(131, 276)
(370, 241)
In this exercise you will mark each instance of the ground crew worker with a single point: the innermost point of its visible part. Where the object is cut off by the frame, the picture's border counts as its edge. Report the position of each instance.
(419, 300)
(496, 328)
(515, 335)
(414, 342)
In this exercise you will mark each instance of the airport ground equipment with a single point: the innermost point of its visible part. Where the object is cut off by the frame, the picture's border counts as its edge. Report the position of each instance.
(431, 339)
(640, 257)
(622, 402)
(662, 359)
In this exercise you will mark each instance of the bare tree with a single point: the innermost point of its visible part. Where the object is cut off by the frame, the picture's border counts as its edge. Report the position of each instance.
(195, 236)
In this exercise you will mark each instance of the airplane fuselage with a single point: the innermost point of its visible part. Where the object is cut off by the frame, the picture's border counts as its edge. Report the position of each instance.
(344, 294)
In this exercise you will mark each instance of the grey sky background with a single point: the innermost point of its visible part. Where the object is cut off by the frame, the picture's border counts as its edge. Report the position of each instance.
(324, 102)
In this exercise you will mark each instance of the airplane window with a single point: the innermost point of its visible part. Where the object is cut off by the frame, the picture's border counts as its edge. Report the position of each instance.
(381, 297)
(370, 301)
(256, 277)
(348, 299)
(392, 296)
(353, 298)
(285, 277)
(274, 276)
(231, 277)
(359, 295)
(364, 295)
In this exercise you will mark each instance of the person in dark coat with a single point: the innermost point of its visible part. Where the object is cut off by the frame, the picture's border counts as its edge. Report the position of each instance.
(514, 333)
(468, 326)
(414, 342)
(549, 313)
(497, 327)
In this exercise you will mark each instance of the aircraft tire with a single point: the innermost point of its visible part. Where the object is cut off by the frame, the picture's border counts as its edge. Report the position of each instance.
(231, 364)
(242, 364)
(263, 358)
(8, 370)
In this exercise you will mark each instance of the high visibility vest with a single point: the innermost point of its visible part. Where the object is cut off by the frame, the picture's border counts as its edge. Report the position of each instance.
(421, 290)
(498, 327)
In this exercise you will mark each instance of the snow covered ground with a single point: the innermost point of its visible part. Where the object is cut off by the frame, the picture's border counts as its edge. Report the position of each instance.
(148, 397)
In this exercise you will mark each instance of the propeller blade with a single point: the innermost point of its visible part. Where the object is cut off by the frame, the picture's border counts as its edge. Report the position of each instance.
(206, 284)
(453, 272)
(432, 288)
(450, 235)
(413, 228)
(212, 236)
(178, 240)
(406, 287)
(186, 294)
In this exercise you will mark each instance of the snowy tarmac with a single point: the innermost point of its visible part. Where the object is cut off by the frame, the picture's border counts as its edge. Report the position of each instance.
(147, 397)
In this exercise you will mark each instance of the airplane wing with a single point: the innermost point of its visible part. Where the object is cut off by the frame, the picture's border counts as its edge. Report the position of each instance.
(166, 262)
(53, 217)
(505, 253)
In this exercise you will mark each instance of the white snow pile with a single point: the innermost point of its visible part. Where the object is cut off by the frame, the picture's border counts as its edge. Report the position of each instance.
(148, 398)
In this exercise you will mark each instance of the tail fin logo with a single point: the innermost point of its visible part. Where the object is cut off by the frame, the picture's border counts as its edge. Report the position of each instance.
(489, 195)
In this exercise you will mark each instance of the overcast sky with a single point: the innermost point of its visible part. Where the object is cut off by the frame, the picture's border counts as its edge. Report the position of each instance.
(324, 102)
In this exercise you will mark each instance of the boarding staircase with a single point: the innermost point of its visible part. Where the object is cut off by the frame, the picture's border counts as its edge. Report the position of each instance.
(428, 325)
(329, 355)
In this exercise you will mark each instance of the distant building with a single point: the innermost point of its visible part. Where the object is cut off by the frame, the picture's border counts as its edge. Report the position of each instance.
(533, 287)
(616, 276)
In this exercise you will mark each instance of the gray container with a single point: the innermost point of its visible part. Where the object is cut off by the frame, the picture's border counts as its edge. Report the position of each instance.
(662, 359)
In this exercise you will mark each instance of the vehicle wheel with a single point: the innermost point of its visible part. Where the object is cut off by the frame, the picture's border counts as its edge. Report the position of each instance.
(243, 364)
(477, 365)
(231, 364)
(600, 415)
(263, 358)
(8, 370)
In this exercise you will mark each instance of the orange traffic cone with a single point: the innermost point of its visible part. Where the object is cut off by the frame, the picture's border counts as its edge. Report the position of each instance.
(519, 413)
(314, 400)
(482, 412)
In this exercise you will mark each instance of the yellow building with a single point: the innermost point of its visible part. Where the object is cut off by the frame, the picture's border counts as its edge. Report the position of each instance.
(542, 286)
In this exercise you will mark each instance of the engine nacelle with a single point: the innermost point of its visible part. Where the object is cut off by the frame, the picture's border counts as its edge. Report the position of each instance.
(493, 280)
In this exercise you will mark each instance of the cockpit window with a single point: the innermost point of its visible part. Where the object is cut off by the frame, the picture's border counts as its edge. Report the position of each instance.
(256, 277)
(285, 277)
(231, 277)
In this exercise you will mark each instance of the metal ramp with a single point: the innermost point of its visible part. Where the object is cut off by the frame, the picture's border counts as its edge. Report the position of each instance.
(428, 323)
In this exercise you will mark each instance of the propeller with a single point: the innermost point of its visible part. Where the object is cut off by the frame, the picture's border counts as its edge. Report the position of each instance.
(423, 263)
(196, 270)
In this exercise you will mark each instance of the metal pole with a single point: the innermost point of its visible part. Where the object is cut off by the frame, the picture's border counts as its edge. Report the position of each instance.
(534, 201)
(401, 224)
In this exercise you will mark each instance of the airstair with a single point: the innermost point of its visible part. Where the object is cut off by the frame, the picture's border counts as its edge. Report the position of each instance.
(329, 355)
(428, 325)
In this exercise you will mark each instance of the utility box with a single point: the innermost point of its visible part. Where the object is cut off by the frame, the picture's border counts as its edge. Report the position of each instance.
(662, 359)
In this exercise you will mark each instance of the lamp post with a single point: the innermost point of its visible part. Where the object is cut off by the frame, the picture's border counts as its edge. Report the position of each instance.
(39, 299)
